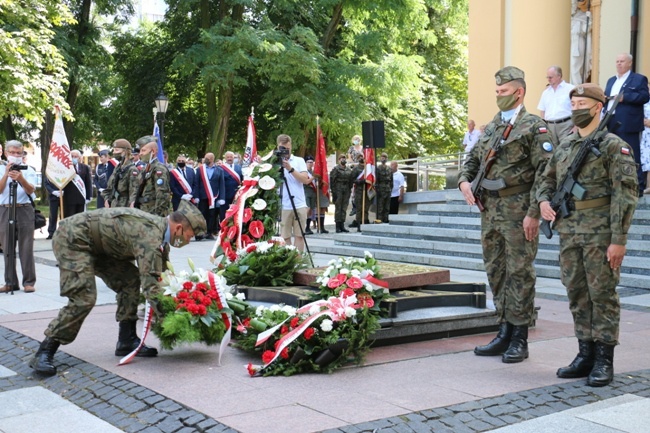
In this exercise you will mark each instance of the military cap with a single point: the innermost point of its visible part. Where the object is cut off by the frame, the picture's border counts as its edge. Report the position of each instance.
(507, 74)
(194, 217)
(136, 150)
(588, 90)
(121, 143)
(309, 158)
(144, 140)
(384, 154)
(103, 152)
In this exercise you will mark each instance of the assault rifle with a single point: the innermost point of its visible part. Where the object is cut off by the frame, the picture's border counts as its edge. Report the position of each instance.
(488, 161)
(568, 186)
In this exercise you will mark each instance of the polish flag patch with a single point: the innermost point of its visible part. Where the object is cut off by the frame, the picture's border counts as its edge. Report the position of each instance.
(543, 130)
(625, 151)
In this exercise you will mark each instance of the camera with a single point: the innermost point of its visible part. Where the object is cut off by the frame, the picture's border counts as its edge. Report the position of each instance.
(18, 167)
(282, 152)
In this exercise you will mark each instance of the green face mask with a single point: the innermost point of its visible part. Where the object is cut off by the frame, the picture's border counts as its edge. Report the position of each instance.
(582, 117)
(145, 158)
(506, 102)
(118, 156)
(178, 241)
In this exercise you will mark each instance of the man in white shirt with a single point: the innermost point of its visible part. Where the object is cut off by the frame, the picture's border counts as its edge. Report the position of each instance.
(471, 137)
(295, 176)
(399, 187)
(555, 104)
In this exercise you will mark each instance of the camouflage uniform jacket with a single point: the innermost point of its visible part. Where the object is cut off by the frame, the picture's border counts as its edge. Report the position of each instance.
(341, 179)
(521, 160)
(122, 186)
(125, 234)
(613, 175)
(156, 195)
(384, 177)
(310, 189)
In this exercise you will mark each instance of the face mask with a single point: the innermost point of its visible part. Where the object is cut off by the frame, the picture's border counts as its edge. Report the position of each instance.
(506, 102)
(180, 164)
(145, 158)
(582, 117)
(15, 160)
(343, 162)
(75, 161)
(235, 161)
(356, 142)
(179, 241)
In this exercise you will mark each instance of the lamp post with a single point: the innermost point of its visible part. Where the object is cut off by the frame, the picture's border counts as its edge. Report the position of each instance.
(161, 108)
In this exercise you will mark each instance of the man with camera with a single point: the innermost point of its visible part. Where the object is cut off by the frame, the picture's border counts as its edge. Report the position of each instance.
(295, 176)
(25, 178)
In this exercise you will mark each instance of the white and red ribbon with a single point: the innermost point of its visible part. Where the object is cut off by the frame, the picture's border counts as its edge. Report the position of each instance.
(221, 303)
(203, 172)
(145, 331)
(180, 178)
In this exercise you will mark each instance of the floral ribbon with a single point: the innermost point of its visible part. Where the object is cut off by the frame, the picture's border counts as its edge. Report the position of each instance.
(368, 277)
(221, 303)
(335, 309)
(247, 191)
(145, 331)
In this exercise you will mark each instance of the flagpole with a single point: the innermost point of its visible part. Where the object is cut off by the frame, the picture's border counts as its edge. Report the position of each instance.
(318, 224)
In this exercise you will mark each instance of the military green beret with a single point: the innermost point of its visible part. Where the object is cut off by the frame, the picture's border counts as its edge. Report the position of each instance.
(507, 74)
(194, 216)
(588, 90)
(121, 143)
(144, 140)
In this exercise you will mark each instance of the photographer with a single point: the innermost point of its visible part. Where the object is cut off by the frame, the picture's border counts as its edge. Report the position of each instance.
(26, 179)
(295, 175)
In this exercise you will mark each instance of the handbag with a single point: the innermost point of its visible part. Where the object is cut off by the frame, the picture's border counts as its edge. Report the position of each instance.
(39, 219)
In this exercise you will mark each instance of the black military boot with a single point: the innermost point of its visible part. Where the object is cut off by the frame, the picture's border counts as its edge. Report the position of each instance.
(343, 229)
(518, 349)
(322, 225)
(353, 224)
(583, 363)
(43, 361)
(128, 341)
(603, 372)
(499, 344)
(307, 229)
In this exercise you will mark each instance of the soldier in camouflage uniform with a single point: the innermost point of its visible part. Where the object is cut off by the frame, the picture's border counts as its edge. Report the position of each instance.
(104, 243)
(154, 192)
(593, 237)
(361, 204)
(122, 186)
(384, 188)
(341, 186)
(510, 220)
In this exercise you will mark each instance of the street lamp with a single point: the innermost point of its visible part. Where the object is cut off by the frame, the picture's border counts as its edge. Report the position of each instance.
(161, 106)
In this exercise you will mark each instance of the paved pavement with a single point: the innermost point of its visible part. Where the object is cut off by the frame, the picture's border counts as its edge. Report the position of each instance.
(431, 386)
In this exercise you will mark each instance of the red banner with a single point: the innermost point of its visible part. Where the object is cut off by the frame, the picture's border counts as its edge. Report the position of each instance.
(320, 163)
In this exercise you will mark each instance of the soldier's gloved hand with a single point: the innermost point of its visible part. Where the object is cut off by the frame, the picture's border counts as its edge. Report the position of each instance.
(221, 202)
(186, 197)
(87, 201)
(101, 190)
(56, 193)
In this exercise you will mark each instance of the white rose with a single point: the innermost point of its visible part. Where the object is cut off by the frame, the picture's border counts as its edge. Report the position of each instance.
(259, 310)
(326, 325)
(229, 296)
(274, 308)
(241, 296)
(350, 312)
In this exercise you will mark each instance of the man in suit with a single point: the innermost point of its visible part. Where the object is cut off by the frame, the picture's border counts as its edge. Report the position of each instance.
(103, 172)
(182, 182)
(211, 193)
(232, 177)
(627, 121)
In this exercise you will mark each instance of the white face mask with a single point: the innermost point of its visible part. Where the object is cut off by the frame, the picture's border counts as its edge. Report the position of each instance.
(15, 160)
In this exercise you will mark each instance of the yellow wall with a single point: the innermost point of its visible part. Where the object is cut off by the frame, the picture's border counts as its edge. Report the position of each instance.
(614, 36)
(531, 35)
(643, 61)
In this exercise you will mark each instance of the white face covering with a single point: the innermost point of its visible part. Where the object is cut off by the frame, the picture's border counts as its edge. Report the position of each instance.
(15, 160)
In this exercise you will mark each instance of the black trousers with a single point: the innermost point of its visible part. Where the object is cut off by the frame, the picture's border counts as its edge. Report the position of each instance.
(394, 205)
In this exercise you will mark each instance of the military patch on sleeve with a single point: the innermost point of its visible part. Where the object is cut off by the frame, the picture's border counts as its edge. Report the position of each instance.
(543, 130)
(159, 182)
(135, 173)
(158, 173)
(625, 151)
(547, 146)
(628, 170)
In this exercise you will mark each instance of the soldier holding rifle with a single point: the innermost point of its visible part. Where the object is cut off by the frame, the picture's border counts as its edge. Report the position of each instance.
(601, 170)
(504, 166)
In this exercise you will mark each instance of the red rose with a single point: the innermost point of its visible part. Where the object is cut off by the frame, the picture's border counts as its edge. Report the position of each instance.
(256, 229)
(232, 232)
(309, 332)
(267, 356)
(187, 285)
(201, 286)
(248, 213)
(294, 322)
(284, 329)
(347, 292)
(285, 353)
(251, 370)
(333, 283)
(355, 283)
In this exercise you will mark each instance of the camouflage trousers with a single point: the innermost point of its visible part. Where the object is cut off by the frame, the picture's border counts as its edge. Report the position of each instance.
(341, 204)
(383, 203)
(362, 212)
(508, 259)
(593, 300)
(78, 268)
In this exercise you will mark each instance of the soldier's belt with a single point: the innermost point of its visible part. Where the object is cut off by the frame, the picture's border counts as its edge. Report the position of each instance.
(517, 189)
(594, 202)
(98, 247)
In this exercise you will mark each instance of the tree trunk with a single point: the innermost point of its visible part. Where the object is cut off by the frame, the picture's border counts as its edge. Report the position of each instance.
(8, 125)
(223, 119)
(45, 139)
(332, 27)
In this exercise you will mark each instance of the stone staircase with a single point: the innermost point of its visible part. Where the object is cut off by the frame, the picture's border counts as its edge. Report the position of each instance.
(445, 232)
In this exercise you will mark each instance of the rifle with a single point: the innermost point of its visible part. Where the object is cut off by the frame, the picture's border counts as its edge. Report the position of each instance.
(488, 161)
(143, 183)
(568, 186)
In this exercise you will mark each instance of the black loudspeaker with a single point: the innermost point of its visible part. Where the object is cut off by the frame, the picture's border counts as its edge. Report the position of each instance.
(373, 134)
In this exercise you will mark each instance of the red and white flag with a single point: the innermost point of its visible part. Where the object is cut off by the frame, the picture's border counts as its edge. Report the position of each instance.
(369, 171)
(320, 163)
(59, 169)
(250, 153)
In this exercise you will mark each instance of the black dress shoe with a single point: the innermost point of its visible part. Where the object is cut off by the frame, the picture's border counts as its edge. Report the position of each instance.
(209, 237)
(49, 237)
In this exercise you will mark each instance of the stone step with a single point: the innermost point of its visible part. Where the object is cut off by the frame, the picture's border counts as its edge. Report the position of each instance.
(445, 261)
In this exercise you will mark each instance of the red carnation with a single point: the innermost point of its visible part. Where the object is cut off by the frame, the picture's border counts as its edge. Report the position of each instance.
(355, 283)
(294, 322)
(267, 356)
(232, 256)
(251, 370)
(201, 286)
(201, 310)
(187, 285)
(284, 329)
(248, 213)
(256, 229)
(182, 295)
(309, 332)
(212, 294)
(206, 301)
(285, 353)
